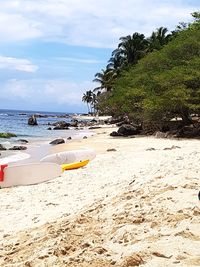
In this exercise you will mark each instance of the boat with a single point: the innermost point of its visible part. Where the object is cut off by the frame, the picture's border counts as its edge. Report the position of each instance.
(28, 174)
(75, 165)
(70, 156)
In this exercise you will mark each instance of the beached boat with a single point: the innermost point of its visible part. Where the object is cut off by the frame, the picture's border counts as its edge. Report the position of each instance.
(70, 156)
(27, 174)
(75, 165)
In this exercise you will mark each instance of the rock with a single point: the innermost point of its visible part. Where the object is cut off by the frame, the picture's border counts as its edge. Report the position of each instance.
(69, 138)
(60, 128)
(32, 121)
(7, 135)
(57, 141)
(191, 131)
(111, 149)
(115, 134)
(84, 137)
(18, 148)
(61, 125)
(94, 127)
(49, 128)
(150, 149)
(128, 129)
(74, 123)
(24, 141)
(2, 147)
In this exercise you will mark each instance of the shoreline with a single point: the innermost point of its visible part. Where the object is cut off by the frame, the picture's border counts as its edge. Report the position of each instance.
(141, 197)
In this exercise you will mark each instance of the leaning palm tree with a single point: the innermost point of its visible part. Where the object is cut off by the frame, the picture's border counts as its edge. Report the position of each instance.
(132, 48)
(87, 97)
(106, 79)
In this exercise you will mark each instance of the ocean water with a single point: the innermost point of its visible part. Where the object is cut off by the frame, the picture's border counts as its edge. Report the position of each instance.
(16, 121)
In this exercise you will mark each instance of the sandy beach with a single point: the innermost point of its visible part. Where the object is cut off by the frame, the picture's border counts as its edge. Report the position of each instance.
(135, 204)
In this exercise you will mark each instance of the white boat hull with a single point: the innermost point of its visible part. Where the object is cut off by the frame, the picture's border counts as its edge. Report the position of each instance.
(32, 173)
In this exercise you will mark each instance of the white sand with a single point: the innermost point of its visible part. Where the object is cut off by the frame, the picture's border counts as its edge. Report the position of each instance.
(136, 205)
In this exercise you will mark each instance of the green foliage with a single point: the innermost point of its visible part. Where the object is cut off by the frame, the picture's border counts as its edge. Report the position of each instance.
(165, 83)
(7, 135)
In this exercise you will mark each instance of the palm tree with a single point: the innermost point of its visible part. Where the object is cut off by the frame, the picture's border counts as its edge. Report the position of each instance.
(115, 63)
(94, 102)
(87, 97)
(132, 48)
(106, 79)
(158, 39)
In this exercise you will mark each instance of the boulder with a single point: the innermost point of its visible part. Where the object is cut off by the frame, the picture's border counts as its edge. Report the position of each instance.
(2, 147)
(49, 128)
(61, 125)
(24, 141)
(18, 148)
(61, 128)
(128, 129)
(32, 121)
(191, 131)
(115, 134)
(69, 138)
(57, 141)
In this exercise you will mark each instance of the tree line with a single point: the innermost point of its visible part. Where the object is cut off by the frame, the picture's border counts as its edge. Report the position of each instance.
(152, 78)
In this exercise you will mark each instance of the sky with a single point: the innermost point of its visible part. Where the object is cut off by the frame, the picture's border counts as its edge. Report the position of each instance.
(50, 50)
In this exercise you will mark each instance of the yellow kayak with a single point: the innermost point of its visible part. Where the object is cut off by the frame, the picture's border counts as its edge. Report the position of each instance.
(74, 165)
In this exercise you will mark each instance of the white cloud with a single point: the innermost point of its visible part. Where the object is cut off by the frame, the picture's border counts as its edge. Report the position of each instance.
(50, 92)
(87, 22)
(17, 64)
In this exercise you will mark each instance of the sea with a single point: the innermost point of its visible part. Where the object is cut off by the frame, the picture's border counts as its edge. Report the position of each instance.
(16, 121)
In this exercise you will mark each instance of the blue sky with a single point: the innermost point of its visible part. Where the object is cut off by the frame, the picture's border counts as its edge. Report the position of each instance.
(51, 49)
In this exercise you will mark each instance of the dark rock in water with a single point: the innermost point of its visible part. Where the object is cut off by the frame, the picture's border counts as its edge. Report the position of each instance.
(49, 128)
(7, 135)
(115, 134)
(128, 129)
(61, 128)
(32, 121)
(61, 125)
(84, 137)
(2, 147)
(18, 148)
(69, 138)
(24, 141)
(57, 141)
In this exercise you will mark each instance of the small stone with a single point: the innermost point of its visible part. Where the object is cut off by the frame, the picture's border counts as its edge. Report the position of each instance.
(57, 141)
(111, 149)
(84, 137)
